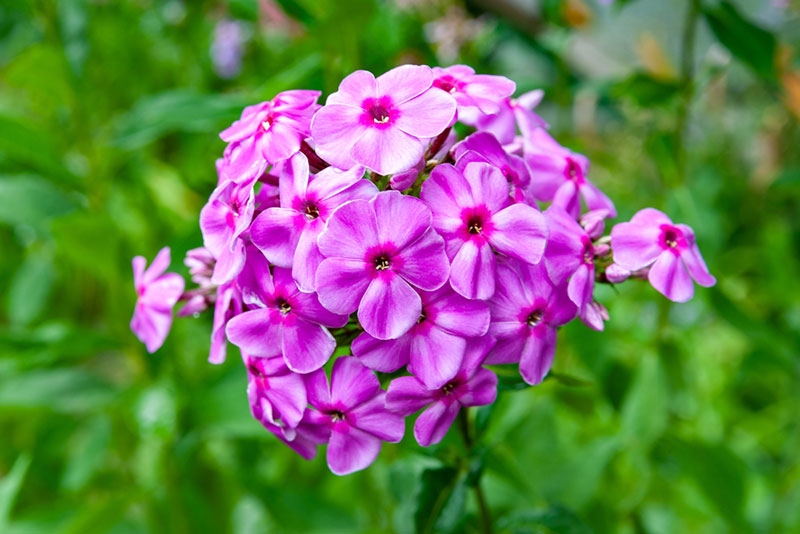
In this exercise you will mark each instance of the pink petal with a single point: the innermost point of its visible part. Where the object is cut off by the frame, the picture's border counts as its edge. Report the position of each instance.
(436, 357)
(472, 272)
(670, 278)
(164, 291)
(568, 198)
(306, 346)
(537, 356)
(635, 246)
(373, 417)
(404, 82)
(446, 192)
(650, 217)
(335, 128)
(479, 390)
(581, 286)
(280, 142)
(341, 284)
(401, 219)
(318, 392)
(287, 394)
(151, 326)
(520, 231)
(354, 89)
(460, 316)
(352, 384)
(256, 332)
(293, 181)
(229, 263)
(507, 350)
(424, 263)
(307, 306)
(139, 264)
(307, 256)
(427, 115)
(387, 150)
(697, 267)
(390, 307)
(159, 265)
(350, 232)
(385, 356)
(276, 232)
(351, 450)
(407, 395)
(596, 199)
(488, 185)
(433, 424)
(475, 354)
(487, 91)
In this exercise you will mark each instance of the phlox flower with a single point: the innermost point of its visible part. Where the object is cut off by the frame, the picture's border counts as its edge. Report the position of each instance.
(434, 347)
(287, 235)
(471, 210)
(237, 165)
(304, 438)
(559, 175)
(227, 214)
(471, 386)
(512, 113)
(651, 240)
(281, 319)
(376, 251)
(277, 396)
(273, 130)
(227, 305)
(483, 146)
(527, 309)
(156, 294)
(569, 258)
(482, 91)
(351, 412)
(380, 123)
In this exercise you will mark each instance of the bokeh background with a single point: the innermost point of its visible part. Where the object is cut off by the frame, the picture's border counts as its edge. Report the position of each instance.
(678, 418)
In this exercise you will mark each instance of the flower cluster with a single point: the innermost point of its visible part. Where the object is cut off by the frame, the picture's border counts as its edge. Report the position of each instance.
(366, 228)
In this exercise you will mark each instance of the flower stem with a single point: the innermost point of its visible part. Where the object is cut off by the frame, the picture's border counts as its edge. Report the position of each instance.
(486, 518)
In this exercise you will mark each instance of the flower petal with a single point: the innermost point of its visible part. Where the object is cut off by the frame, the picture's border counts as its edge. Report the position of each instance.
(537, 356)
(256, 332)
(436, 357)
(407, 395)
(424, 262)
(401, 219)
(433, 424)
(635, 246)
(354, 89)
(479, 390)
(276, 232)
(306, 346)
(373, 417)
(350, 231)
(351, 449)
(520, 231)
(426, 115)
(352, 384)
(458, 315)
(404, 82)
(472, 272)
(385, 356)
(390, 307)
(488, 185)
(386, 150)
(669, 276)
(341, 284)
(335, 128)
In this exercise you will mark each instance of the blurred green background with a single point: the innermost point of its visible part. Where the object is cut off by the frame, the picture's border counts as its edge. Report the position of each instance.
(678, 418)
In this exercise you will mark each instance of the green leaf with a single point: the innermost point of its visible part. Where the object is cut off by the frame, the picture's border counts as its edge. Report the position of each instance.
(751, 44)
(645, 411)
(645, 90)
(440, 501)
(61, 390)
(30, 288)
(87, 453)
(23, 142)
(28, 199)
(555, 519)
(10, 485)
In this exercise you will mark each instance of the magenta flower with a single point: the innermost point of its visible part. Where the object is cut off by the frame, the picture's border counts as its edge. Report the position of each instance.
(472, 386)
(558, 175)
(305, 437)
(156, 294)
(570, 256)
(273, 130)
(484, 147)
(281, 319)
(352, 412)
(228, 304)
(375, 251)
(527, 309)
(227, 214)
(513, 112)
(651, 240)
(237, 164)
(277, 395)
(380, 123)
(434, 347)
(482, 91)
(472, 211)
(288, 235)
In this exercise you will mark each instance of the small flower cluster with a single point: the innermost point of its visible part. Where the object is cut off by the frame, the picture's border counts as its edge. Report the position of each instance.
(365, 228)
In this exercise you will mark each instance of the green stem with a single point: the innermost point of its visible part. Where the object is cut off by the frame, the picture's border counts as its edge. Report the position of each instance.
(483, 506)
(687, 75)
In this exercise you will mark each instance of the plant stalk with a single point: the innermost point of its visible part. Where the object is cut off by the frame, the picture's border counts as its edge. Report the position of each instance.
(483, 506)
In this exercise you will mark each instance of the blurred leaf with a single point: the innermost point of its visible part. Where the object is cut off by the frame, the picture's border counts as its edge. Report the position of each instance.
(30, 200)
(645, 90)
(10, 485)
(644, 414)
(23, 142)
(61, 390)
(30, 288)
(87, 452)
(556, 519)
(567, 380)
(77, 237)
(440, 501)
(250, 516)
(73, 18)
(751, 44)
(180, 110)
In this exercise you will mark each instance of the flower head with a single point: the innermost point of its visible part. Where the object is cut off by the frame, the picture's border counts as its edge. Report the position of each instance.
(484, 147)
(380, 123)
(281, 319)
(277, 396)
(376, 252)
(223, 219)
(156, 294)
(651, 240)
(471, 386)
(351, 411)
(482, 91)
(471, 210)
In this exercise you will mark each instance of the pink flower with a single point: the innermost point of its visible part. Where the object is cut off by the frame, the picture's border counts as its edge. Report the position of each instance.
(482, 91)
(273, 130)
(558, 175)
(277, 396)
(513, 112)
(434, 347)
(471, 210)
(287, 235)
(651, 240)
(352, 413)
(281, 319)
(227, 305)
(376, 252)
(380, 123)
(570, 257)
(527, 309)
(156, 294)
(483, 146)
(471, 386)
(223, 219)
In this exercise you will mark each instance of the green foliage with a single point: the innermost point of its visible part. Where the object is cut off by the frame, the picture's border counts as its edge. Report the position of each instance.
(677, 418)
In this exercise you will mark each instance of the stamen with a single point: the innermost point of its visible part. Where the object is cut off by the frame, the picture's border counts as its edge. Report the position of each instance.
(311, 211)
(474, 225)
(336, 416)
(421, 317)
(267, 124)
(448, 388)
(535, 317)
(382, 263)
(284, 306)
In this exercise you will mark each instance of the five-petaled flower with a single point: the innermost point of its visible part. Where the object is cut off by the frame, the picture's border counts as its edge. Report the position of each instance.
(156, 294)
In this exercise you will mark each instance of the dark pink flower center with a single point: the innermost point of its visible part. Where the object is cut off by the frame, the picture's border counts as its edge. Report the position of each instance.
(672, 238)
(535, 317)
(336, 415)
(378, 112)
(448, 388)
(477, 221)
(446, 83)
(310, 210)
(283, 305)
(382, 262)
(573, 171)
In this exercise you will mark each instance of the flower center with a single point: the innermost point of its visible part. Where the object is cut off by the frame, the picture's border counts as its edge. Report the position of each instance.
(535, 317)
(573, 170)
(446, 83)
(474, 225)
(671, 238)
(266, 124)
(255, 371)
(448, 388)
(311, 211)
(336, 416)
(421, 317)
(284, 306)
(382, 262)
(380, 115)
